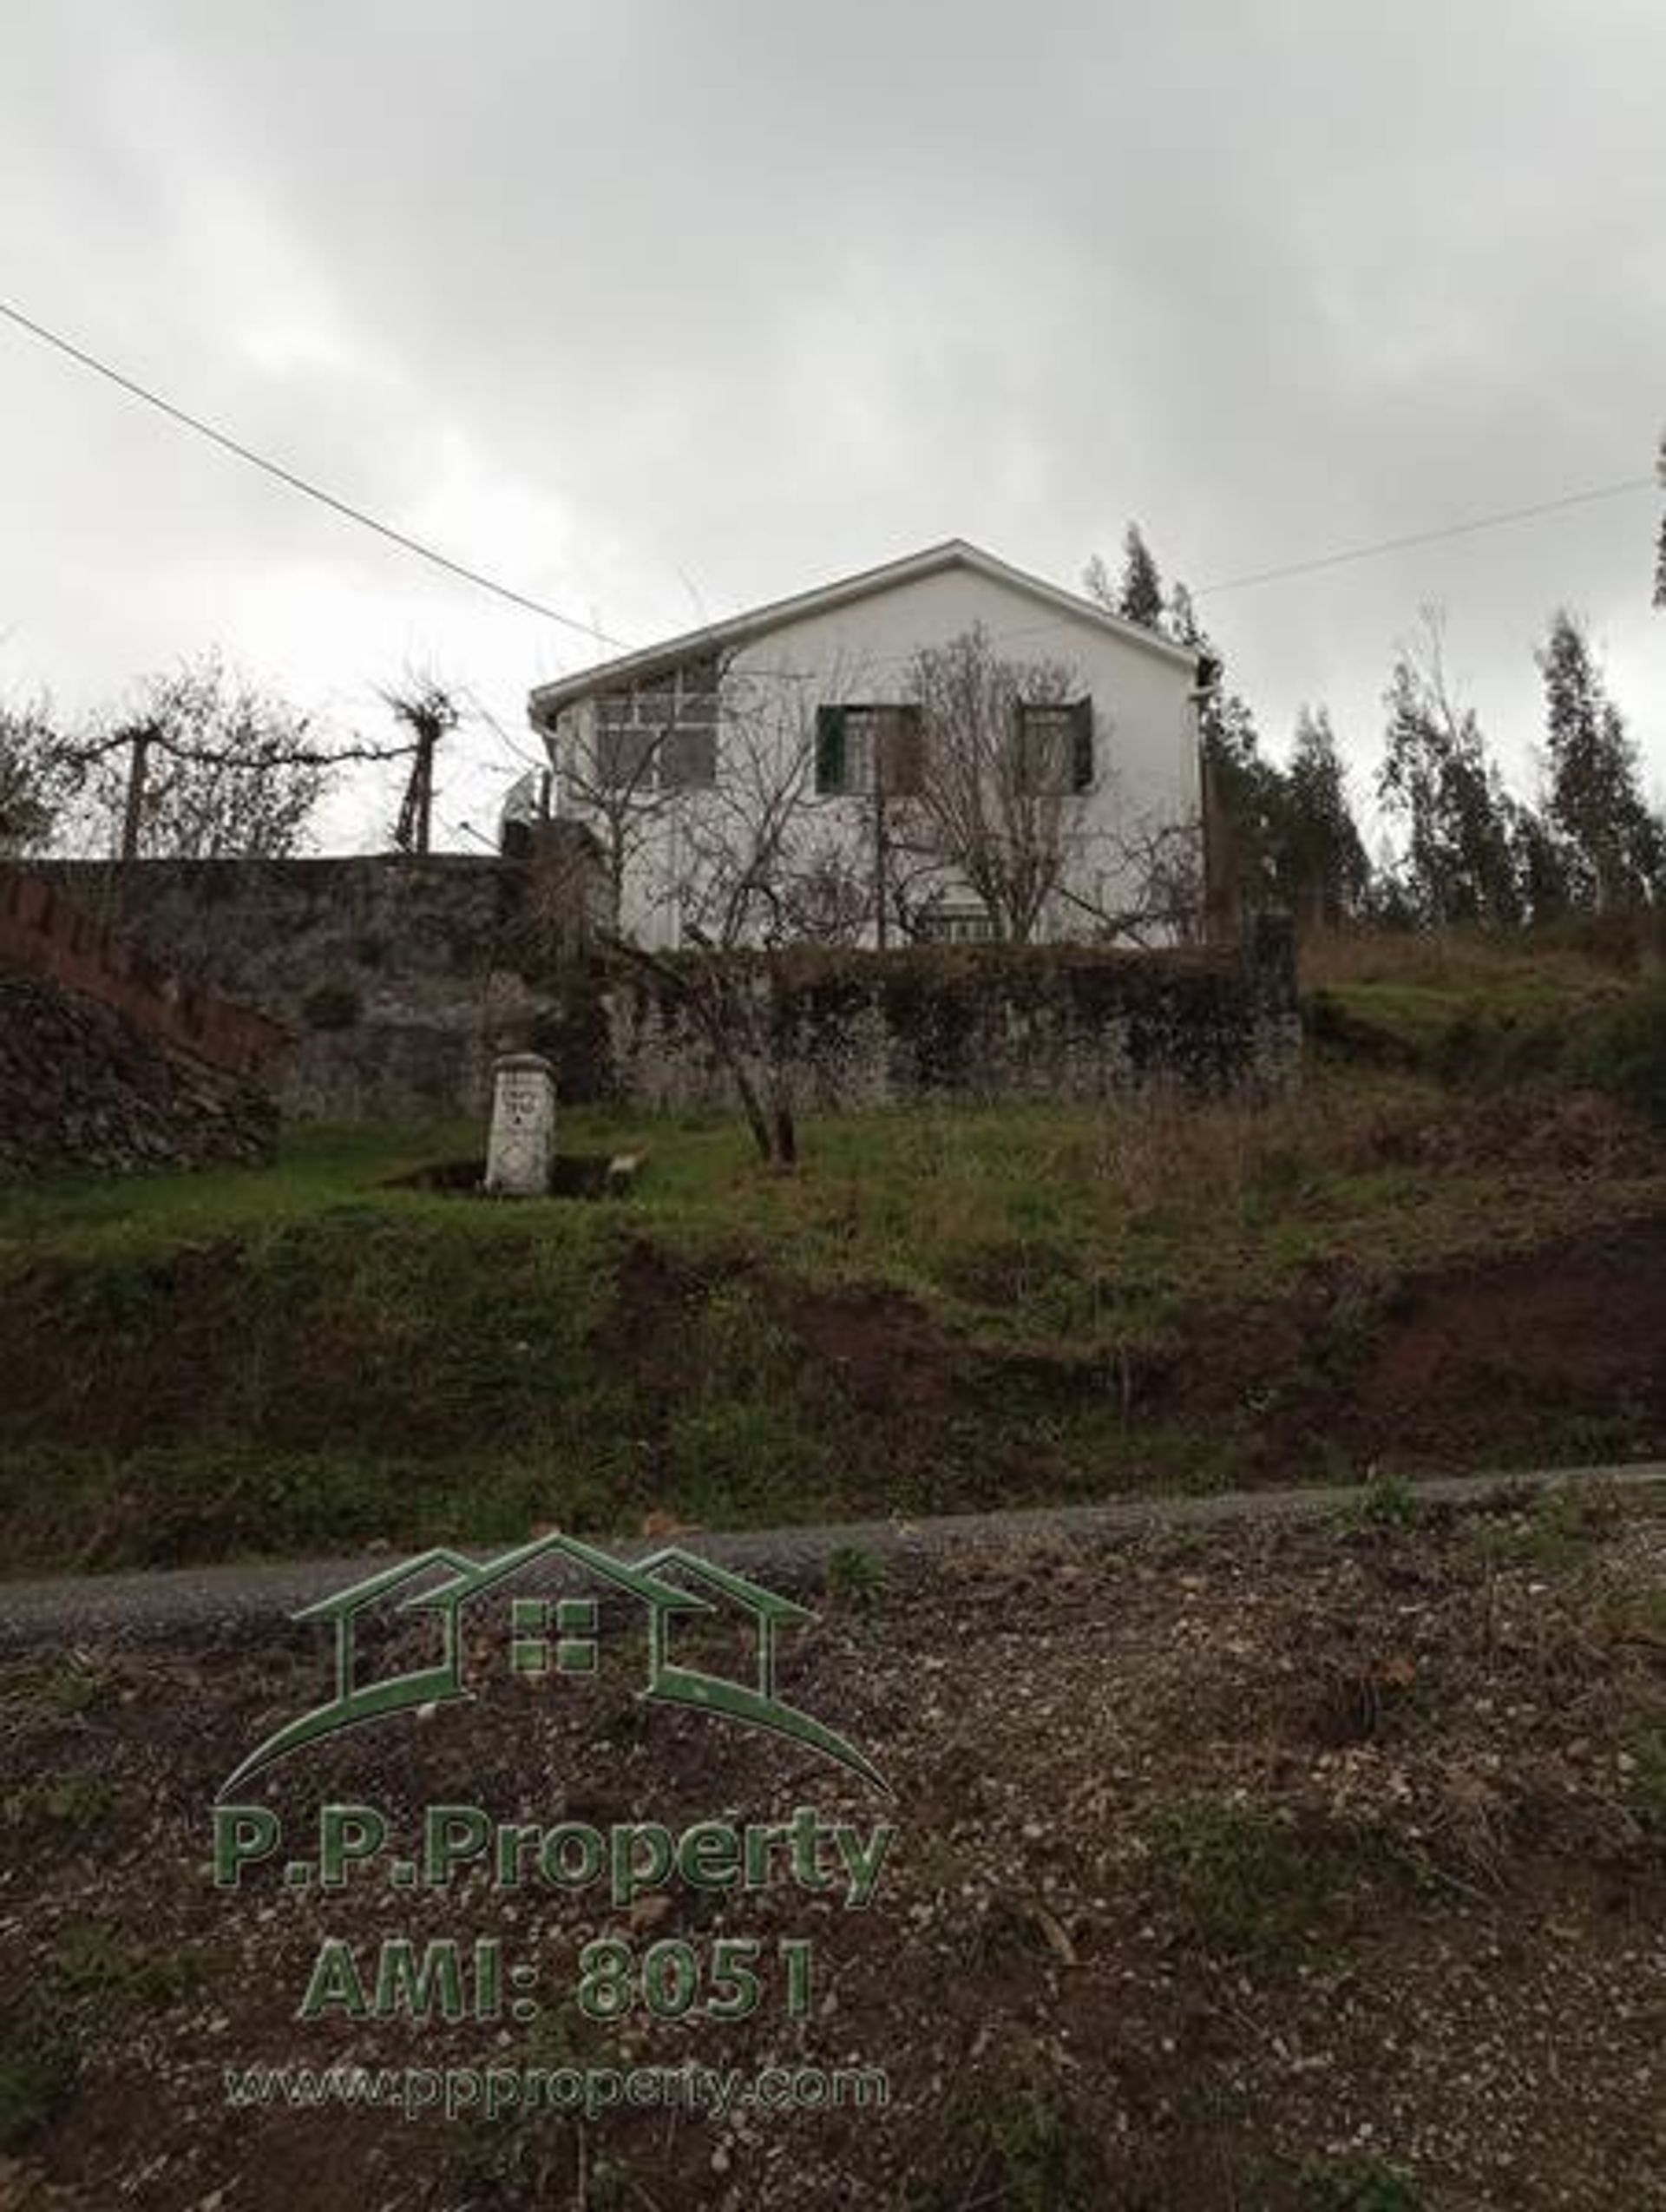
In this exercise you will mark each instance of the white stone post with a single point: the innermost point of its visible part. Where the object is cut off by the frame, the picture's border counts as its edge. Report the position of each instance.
(522, 1145)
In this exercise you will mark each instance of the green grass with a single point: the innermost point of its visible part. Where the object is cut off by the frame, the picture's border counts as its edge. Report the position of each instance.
(950, 1307)
(1359, 2185)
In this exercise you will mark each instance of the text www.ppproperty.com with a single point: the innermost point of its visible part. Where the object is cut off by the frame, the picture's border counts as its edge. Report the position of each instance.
(500, 2092)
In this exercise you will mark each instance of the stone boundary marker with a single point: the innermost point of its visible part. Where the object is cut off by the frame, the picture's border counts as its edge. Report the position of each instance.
(522, 1149)
(135, 1607)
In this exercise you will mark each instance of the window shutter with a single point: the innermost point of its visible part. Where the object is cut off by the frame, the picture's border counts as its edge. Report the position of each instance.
(1023, 749)
(1081, 745)
(830, 767)
(905, 768)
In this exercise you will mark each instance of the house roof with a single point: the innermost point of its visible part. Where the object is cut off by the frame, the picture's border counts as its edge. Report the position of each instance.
(478, 1575)
(547, 700)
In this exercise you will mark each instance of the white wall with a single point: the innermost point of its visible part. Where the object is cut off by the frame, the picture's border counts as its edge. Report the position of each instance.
(1145, 743)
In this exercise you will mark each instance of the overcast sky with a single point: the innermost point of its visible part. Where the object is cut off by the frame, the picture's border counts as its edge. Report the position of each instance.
(658, 308)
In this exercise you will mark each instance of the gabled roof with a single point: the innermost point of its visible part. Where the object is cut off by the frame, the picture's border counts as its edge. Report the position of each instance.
(478, 1575)
(741, 629)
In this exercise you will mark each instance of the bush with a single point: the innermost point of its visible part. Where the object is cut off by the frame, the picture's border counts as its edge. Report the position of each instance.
(1233, 1875)
(1627, 1056)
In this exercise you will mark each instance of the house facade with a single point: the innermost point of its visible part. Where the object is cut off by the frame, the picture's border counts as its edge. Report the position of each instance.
(943, 749)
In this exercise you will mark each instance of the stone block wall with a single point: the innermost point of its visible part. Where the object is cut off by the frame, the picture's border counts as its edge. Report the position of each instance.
(401, 980)
(981, 1023)
(394, 977)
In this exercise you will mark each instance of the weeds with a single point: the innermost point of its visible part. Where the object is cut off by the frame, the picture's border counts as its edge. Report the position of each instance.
(36, 2070)
(1555, 1535)
(77, 1802)
(1646, 1749)
(1387, 1505)
(1045, 2158)
(1027, 2152)
(1233, 1875)
(1358, 2186)
(1627, 1058)
(855, 1576)
(94, 1958)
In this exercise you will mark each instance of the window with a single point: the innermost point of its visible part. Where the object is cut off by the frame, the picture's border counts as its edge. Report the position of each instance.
(957, 925)
(663, 735)
(864, 749)
(1055, 747)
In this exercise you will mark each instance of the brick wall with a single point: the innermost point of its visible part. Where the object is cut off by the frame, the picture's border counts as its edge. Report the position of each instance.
(45, 933)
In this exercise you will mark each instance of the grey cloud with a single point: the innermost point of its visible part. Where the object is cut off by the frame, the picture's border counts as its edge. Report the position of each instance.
(743, 294)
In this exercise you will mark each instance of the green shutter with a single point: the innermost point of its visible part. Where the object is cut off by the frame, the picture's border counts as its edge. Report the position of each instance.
(1023, 749)
(1081, 745)
(905, 753)
(830, 764)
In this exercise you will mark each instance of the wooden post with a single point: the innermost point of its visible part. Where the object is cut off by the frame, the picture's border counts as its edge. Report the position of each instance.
(416, 808)
(133, 813)
(424, 787)
(881, 859)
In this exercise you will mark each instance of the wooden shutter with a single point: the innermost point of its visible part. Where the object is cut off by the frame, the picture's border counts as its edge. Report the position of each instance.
(1081, 745)
(1023, 744)
(832, 767)
(905, 753)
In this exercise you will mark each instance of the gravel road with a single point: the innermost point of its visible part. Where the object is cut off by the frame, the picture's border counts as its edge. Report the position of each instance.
(119, 1608)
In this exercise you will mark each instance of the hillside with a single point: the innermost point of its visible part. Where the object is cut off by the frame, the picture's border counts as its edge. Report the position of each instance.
(82, 1087)
(1310, 1869)
(1448, 1252)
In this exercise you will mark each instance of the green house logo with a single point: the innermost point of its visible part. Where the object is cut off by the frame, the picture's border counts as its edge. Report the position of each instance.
(558, 1635)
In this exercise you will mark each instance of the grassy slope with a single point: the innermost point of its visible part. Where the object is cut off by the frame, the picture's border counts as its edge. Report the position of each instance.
(947, 1308)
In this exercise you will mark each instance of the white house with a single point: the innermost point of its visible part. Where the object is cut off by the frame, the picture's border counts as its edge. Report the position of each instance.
(944, 747)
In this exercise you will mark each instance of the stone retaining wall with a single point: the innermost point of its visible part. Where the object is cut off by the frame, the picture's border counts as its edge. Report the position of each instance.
(401, 980)
(45, 931)
(982, 1023)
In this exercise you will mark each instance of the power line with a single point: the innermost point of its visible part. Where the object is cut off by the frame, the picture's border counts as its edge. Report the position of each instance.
(1426, 537)
(1329, 559)
(432, 554)
(276, 469)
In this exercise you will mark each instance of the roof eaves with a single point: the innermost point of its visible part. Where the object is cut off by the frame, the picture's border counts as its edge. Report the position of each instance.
(757, 621)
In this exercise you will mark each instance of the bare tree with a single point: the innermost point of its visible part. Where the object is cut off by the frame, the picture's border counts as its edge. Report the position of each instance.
(619, 792)
(750, 869)
(749, 855)
(1154, 866)
(202, 765)
(1007, 756)
(37, 775)
(429, 709)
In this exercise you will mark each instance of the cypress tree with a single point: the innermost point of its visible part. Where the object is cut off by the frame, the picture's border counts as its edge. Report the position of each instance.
(1595, 800)
(1323, 861)
(1459, 863)
(1139, 596)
